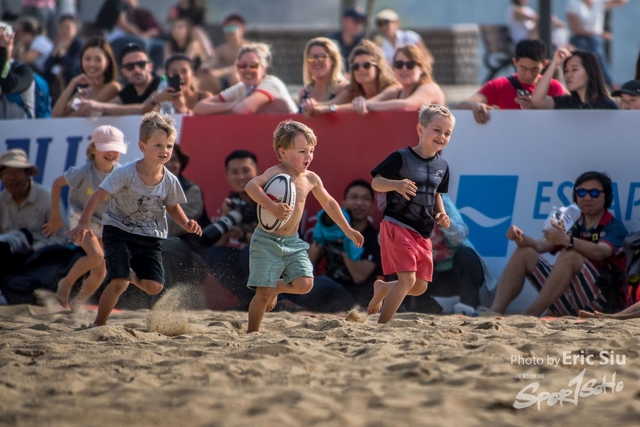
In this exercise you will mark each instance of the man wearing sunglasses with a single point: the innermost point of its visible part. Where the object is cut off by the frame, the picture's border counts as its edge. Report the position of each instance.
(513, 92)
(141, 83)
(579, 279)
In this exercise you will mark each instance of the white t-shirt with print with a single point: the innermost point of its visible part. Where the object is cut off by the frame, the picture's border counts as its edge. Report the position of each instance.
(591, 18)
(271, 86)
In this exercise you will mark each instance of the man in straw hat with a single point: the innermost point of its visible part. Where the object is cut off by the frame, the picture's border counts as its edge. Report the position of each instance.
(24, 208)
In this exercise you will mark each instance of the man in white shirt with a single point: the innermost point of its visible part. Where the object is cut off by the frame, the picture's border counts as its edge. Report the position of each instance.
(388, 23)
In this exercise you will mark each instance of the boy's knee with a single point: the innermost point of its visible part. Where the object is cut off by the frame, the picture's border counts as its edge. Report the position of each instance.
(419, 288)
(118, 285)
(303, 284)
(152, 287)
(572, 259)
(99, 272)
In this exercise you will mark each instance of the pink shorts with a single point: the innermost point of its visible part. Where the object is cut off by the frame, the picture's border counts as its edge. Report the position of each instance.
(405, 250)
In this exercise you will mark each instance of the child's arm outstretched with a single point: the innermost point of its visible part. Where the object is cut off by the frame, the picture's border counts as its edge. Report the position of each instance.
(51, 227)
(405, 187)
(177, 214)
(254, 189)
(77, 234)
(441, 217)
(332, 208)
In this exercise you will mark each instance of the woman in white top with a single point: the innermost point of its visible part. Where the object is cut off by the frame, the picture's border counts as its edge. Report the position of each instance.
(416, 85)
(392, 37)
(257, 91)
(523, 24)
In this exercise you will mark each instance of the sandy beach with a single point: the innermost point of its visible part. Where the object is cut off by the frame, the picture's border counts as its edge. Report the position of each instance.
(312, 370)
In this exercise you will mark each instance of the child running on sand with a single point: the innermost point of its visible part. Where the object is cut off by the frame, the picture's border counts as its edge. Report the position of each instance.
(282, 253)
(135, 222)
(413, 179)
(103, 153)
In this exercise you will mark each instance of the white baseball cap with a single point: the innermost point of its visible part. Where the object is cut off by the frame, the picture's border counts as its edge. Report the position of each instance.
(109, 138)
(389, 14)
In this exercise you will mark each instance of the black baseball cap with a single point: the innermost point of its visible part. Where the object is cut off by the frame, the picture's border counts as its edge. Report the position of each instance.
(131, 47)
(354, 12)
(632, 87)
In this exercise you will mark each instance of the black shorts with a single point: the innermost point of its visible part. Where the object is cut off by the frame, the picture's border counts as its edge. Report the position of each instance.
(123, 250)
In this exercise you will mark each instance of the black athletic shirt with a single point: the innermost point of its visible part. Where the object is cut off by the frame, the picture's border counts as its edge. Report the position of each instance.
(572, 102)
(128, 94)
(430, 175)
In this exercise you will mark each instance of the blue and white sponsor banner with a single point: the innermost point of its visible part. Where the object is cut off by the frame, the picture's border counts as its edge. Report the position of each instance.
(512, 170)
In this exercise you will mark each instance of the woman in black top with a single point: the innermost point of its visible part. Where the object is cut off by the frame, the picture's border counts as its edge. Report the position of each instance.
(583, 78)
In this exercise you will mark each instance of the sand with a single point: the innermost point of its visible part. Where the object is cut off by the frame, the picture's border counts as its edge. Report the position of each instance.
(307, 370)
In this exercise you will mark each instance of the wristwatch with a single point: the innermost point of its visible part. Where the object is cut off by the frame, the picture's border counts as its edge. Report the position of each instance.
(570, 245)
(332, 108)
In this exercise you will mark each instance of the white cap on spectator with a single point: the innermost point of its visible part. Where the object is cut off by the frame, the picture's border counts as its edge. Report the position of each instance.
(17, 158)
(389, 14)
(109, 138)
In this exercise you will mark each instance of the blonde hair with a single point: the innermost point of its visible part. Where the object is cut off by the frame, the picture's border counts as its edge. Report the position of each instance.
(154, 121)
(91, 151)
(415, 54)
(334, 53)
(287, 131)
(384, 76)
(261, 49)
(428, 112)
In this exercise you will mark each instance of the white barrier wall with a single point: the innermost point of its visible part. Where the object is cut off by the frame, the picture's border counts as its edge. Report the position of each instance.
(510, 171)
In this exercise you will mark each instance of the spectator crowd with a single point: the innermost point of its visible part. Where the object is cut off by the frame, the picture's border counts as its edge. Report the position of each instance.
(127, 63)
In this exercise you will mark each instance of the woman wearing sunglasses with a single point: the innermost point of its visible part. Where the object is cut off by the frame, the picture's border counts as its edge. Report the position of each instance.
(321, 71)
(257, 91)
(416, 85)
(97, 80)
(370, 75)
(183, 100)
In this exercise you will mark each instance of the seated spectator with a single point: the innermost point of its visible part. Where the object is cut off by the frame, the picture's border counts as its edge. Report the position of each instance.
(181, 40)
(220, 72)
(345, 281)
(64, 62)
(136, 68)
(184, 100)
(583, 78)
(228, 257)
(97, 80)
(31, 47)
(416, 85)
(370, 75)
(351, 33)
(17, 89)
(392, 37)
(629, 95)
(44, 11)
(584, 252)
(586, 23)
(513, 92)
(257, 91)
(458, 269)
(196, 12)
(523, 24)
(321, 71)
(24, 209)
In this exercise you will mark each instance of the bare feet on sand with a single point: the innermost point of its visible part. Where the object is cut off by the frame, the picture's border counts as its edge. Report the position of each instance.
(586, 315)
(272, 303)
(62, 293)
(379, 292)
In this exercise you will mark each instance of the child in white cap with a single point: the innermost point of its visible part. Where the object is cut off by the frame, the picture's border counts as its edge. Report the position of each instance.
(103, 153)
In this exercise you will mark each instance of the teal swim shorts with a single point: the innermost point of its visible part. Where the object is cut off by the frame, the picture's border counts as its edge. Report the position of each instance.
(272, 257)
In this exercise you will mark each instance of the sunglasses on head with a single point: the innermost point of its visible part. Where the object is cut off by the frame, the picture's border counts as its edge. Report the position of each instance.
(132, 65)
(320, 58)
(382, 22)
(593, 192)
(355, 66)
(398, 64)
(252, 65)
(230, 28)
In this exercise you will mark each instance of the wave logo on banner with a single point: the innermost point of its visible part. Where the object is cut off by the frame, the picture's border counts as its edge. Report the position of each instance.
(486, 204)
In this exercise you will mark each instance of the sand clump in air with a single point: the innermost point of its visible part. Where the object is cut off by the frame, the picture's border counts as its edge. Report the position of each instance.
(168, 316)
(355, 315)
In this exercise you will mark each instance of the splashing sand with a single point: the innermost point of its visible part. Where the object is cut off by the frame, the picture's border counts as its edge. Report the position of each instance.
(168, 316)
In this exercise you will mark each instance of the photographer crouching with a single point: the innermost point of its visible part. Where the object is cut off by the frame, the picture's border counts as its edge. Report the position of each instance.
(228, 257)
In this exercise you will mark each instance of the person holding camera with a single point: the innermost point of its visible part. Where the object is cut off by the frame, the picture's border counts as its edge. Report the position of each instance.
(229, 236)
(580, 279)
(513, 92)
(17, 90)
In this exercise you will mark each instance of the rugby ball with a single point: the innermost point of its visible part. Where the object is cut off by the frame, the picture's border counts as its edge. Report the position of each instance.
(280, 189)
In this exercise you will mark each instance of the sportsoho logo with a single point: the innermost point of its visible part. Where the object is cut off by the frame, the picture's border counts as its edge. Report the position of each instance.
(486, 204)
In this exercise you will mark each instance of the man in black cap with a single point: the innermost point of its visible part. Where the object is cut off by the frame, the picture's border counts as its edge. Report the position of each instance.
(629, 95)
(352, 32)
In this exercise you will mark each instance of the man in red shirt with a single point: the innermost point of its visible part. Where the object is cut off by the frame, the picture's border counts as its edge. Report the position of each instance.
(513, 92)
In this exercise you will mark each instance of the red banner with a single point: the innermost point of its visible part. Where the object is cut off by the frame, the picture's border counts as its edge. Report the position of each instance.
(349, 146)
